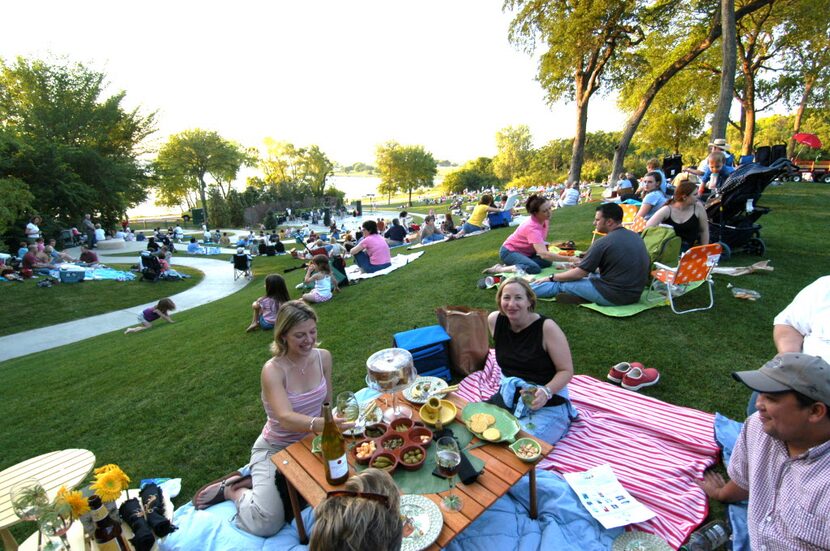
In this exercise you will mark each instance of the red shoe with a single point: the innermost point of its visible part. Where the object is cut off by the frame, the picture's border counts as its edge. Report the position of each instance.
(616, 374)
(638, 378)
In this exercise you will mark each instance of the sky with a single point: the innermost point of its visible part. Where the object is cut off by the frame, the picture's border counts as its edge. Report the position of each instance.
(346, 75)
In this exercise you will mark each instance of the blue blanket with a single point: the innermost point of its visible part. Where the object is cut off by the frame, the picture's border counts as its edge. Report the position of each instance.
(562, 524)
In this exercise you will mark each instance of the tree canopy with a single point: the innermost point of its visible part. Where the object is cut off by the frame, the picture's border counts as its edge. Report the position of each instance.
(404, 168)
(192, 160)
(66, 148)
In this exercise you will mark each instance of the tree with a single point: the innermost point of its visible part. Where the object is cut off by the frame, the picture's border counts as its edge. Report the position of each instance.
(728, 61)
(476, 174)
(585, 41)
(513, 148)
(188, 158)
(404, 168)
(683, 49)
(315, 167)
(76, 150)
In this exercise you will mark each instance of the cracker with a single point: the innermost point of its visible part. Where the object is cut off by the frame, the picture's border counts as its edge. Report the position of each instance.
(491, 434)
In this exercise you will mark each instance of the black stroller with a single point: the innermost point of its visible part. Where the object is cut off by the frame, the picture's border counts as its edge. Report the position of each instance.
(150, 267)
(733, 210)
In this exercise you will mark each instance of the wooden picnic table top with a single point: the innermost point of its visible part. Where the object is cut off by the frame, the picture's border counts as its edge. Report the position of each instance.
(502, 469)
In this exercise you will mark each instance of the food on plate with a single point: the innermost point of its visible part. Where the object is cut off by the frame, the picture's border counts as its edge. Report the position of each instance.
(491, 434)
(479, 422)
(529, 450)
(413, 456)
(381, 462)
(392, 443)
(365, 449)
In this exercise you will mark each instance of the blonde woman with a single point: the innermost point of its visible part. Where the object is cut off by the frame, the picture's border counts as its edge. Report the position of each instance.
(296, 382)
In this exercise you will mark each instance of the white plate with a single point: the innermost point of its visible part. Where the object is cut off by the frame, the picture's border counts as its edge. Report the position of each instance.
(375, 417)
(426, 519)
(639, 541)
(420, 395)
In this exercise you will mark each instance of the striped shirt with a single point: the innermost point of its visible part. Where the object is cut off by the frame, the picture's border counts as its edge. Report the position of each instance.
(657, 450)
(789, 497)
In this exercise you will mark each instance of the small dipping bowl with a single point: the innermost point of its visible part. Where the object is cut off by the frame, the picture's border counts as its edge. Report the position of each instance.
(364, 460)
(401, 425)
(412, 449)
(417, 435)
(375, 430)
(387, 454)
(389, 437)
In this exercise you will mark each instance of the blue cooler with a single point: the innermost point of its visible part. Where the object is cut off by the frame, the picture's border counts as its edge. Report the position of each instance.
(428, 346)
(72, 276)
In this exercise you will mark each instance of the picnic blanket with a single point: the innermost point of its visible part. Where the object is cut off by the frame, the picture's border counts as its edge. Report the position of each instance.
(99, 272)
(397, 261)
(656, 449)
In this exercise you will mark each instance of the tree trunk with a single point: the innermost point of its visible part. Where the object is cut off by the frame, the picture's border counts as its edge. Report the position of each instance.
(639, 112)
(202, 195)
(749, 116)
(729, 56)
(799, 114)
(578, 152)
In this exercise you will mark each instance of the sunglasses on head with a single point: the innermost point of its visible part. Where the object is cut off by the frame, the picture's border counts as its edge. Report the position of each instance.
(380, 498)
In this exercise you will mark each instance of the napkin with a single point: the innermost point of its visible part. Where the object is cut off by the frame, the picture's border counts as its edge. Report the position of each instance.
(467, 474)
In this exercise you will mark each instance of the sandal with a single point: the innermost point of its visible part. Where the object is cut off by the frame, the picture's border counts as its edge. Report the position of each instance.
(220, 492)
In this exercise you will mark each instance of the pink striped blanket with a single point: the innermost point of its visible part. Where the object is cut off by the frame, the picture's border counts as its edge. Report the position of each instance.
(656, 449)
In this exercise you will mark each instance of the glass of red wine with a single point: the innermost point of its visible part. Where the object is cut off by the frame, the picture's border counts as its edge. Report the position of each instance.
(448, 457)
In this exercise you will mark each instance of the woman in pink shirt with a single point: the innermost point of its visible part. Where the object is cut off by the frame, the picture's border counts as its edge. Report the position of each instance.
(371, 253)
(527, 247)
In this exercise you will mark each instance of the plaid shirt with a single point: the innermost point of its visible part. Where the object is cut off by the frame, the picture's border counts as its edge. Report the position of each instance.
(789, 498)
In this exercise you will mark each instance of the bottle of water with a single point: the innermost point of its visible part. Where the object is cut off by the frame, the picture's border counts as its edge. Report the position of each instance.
(708, 537)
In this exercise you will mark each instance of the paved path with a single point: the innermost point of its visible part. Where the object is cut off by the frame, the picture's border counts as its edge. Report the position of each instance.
(217, 283)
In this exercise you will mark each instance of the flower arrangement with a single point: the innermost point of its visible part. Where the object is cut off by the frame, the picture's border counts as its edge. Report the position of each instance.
(110, 481)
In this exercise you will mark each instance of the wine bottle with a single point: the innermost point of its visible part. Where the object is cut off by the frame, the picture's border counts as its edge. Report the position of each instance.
(334, 450)
(107, 533)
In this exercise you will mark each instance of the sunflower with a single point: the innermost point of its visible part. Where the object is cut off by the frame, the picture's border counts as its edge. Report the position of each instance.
(108, 485)
(74, 500)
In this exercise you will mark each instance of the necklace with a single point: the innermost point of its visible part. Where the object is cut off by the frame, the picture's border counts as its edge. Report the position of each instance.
(293, 365)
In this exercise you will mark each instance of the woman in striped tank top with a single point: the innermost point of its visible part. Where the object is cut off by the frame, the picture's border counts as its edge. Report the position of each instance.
(295, 383)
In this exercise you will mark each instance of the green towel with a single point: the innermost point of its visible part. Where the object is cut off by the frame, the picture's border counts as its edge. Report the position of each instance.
(630, 309)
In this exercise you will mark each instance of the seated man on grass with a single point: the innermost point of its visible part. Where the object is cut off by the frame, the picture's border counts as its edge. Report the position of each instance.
(781, 460)
(613, 272)
(32, 262)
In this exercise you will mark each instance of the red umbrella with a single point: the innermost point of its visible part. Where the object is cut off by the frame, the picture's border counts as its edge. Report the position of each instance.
(810, 140)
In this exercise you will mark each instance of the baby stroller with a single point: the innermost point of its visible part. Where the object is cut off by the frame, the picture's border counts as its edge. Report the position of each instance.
(150, 267)
(733, 210)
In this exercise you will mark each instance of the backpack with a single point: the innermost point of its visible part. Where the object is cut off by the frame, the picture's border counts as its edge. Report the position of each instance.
(662, 244)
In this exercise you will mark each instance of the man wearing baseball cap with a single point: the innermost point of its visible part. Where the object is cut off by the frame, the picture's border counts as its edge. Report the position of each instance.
(781, 460)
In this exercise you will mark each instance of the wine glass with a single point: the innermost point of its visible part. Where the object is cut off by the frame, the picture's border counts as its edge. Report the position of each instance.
(28, 499)
(53, 524)
(391, 370)
(448, 458)
(348, 408)
(528, 395)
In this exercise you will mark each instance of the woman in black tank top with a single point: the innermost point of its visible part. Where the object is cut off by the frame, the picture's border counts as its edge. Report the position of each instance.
(684, 213)
(534, 349)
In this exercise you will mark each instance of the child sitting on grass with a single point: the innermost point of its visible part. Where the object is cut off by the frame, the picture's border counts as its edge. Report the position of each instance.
(149, 315)
(319, 273)
(266, 307)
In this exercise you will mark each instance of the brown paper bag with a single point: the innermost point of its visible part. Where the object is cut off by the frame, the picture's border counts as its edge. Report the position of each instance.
(470, 339)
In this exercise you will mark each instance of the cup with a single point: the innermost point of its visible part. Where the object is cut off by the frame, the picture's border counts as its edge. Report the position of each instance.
(433, 407)
(492, 280)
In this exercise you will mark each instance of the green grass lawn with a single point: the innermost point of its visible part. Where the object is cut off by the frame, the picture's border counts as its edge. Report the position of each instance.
(39, 307)
(183, 400)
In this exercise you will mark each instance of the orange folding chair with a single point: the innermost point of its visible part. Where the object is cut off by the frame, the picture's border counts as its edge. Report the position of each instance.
(629, 217)
(638, 224)
(695, 265)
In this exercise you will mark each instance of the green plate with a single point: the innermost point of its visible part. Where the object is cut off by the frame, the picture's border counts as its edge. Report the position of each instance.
(507, 424)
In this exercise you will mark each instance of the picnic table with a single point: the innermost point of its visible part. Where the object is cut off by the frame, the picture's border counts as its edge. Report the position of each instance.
(305, 474)
(53, 470)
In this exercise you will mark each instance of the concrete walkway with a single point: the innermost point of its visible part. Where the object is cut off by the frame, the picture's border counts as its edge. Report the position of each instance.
(217, 283)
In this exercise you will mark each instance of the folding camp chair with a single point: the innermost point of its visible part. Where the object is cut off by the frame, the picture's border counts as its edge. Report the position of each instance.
(629, 214)
(695, 265)
(242, 266)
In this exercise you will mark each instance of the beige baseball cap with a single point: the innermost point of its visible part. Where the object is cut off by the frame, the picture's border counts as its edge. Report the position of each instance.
(809, 375)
